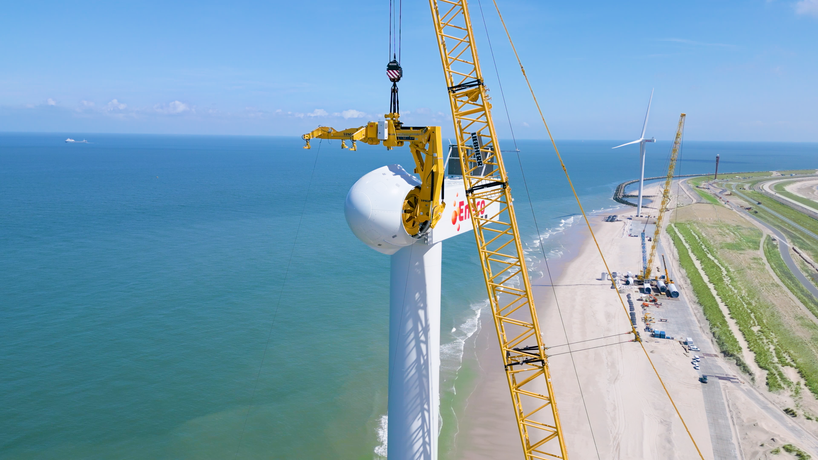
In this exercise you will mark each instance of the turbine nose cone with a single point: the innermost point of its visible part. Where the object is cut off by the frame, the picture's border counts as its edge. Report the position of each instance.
(374, 208)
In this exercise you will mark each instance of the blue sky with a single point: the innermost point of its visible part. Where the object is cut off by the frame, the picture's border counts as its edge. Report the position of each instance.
(741, 70)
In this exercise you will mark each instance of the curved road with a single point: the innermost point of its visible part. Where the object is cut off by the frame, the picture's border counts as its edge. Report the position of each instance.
(765, 188)
(783, 246)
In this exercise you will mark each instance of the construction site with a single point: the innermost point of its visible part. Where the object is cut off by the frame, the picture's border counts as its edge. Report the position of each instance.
(619, 357)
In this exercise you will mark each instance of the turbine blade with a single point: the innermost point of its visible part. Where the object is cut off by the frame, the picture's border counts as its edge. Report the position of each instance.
(629, 143)
(645, 126)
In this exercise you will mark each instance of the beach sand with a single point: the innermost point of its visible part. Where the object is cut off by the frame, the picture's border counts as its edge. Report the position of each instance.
(611, 404)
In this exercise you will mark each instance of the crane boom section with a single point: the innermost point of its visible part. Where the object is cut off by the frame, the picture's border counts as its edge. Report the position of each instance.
(498, 237)
(424, 205)
(665, 196)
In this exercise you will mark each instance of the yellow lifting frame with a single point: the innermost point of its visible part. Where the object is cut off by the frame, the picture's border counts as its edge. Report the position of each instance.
(498, 238)
(423, 205)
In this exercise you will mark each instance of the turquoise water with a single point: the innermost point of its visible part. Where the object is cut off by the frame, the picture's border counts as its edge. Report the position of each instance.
(143, 275)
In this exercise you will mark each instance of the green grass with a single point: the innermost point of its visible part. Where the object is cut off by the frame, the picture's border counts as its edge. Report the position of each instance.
(798, 217)
(799, 454)
(795, 236)
(742, 305)
(779, 188)
(787, 277)
(742, 175)
(696, 182)
(707, 197)
(773, 341)
(807, 270)
(726, 341)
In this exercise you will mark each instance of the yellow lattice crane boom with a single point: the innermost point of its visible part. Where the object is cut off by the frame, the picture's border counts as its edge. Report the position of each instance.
(665, 197)
(498, 238)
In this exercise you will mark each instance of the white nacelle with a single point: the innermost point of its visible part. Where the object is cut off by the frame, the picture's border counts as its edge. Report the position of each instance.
(374, 208)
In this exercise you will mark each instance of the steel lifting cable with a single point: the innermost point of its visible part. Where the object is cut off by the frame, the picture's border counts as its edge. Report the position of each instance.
(395, 28)
(537, 228)
(588, 223)
(278, 302)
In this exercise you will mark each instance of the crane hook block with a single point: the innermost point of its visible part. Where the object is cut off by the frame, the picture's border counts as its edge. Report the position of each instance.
(394, 71)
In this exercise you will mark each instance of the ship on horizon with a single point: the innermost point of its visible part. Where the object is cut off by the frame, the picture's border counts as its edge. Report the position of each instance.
(72, 141)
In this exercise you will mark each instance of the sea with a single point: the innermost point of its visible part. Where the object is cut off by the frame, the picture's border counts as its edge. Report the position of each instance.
(201, 297)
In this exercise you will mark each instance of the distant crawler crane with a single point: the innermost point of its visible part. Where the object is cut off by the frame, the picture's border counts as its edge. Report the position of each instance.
(663, 208)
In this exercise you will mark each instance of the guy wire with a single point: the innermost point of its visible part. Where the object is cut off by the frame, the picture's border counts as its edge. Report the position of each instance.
(588, 223)
(278, 302)
(537, 228)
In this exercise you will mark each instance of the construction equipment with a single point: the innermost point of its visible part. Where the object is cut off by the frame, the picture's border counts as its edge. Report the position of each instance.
(498, 238)
(665, 199)
(423, 206)
(497, 235)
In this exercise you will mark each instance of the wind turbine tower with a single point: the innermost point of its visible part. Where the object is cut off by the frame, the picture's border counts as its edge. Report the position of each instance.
(373, 210)
(642, 141)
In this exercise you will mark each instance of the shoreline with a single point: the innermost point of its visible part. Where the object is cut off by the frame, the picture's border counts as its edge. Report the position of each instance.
(493, 433)
(610, 403)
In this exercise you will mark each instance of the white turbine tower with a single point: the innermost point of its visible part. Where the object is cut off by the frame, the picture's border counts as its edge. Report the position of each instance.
(641, 141)
(373, 210)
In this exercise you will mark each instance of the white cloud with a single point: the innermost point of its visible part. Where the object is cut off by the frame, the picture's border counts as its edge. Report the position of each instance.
(318, 113)
(807, 7)
(114, 105)
(51, 101)
(685, 41)
(86, 103)
(173, 108)
(526, 124)
(351, 113)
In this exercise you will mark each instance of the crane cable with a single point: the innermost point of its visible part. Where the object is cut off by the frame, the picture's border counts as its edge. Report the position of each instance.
(395, 29)
(278, 302)
(588, 223)
(539, 238)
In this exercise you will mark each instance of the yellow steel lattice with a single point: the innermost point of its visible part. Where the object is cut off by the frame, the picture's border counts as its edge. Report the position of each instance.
(498, 238)
(677, 142)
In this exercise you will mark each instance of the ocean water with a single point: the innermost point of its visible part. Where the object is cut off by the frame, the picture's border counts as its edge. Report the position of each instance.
(202, 297)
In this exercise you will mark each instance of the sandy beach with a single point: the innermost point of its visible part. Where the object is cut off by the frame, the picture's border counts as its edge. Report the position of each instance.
(611, 404)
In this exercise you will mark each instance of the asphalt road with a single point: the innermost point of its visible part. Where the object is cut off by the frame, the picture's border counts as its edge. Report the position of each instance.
(682, 322)
(783, 246)
(765, 188)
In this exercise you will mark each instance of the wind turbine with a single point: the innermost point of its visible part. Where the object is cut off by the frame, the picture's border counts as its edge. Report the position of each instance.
(373, 210)
(642, 141)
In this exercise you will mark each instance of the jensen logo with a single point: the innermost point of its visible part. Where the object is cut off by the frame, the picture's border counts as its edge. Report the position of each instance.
(462, 211)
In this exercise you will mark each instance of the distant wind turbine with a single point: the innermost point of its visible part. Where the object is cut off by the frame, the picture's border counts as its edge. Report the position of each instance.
(641, 141)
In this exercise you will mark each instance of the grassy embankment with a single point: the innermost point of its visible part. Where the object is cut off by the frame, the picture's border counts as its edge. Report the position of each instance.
(785, 275)
(780, 189)
(776, 329)
(696, 182)
(741, 304)
(728, 256)
(806, 269)
(797, 236)
(726, 341)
